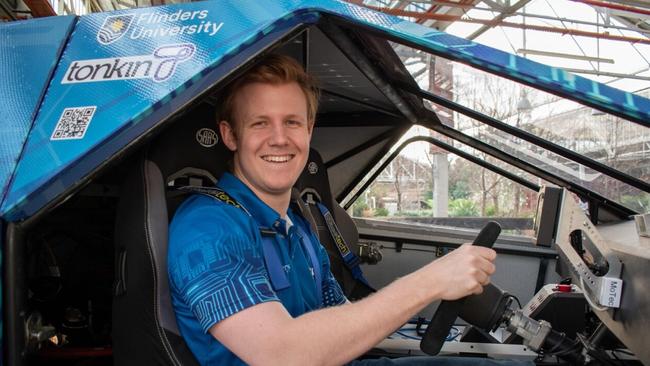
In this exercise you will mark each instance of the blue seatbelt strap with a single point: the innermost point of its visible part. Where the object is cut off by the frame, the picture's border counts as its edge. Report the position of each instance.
(317, 273)
(274, 266)
(350, 259)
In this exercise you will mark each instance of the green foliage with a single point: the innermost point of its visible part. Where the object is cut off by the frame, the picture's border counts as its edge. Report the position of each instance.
(358, 207)
(381, 211)
(462, 207)
(490, 211)
(429, 202)
(459, 189)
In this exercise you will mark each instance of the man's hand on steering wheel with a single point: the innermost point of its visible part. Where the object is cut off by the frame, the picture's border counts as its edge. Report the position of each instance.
(467, 269)
(463, 272)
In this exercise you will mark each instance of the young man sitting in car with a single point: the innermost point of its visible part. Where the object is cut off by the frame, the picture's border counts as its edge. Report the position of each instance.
(228, 309)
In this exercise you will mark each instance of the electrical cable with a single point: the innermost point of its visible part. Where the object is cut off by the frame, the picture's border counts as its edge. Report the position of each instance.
(452, 336)
(516, 299)
(597, 354)
(567, 351)
(408, 336)
(556, 344)
(553, 349)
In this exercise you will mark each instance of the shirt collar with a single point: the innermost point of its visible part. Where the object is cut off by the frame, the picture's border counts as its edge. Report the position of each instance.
(262, 213)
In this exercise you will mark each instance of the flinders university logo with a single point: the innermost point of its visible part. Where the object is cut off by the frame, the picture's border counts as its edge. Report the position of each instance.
(114, 28)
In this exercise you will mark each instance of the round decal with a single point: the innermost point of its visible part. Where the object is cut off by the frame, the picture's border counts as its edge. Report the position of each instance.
(207, 137)
(312, 168)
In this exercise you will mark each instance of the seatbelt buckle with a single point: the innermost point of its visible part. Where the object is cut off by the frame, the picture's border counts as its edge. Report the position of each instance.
(351, 260)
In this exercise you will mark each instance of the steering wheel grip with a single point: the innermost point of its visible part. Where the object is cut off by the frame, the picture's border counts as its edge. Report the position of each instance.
(447, 312)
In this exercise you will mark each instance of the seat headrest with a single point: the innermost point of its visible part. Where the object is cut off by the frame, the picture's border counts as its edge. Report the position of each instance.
(314, 179)
(191, 146)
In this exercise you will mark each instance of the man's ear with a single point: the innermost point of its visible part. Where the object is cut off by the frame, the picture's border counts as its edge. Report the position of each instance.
(228, 135)
(310, 127)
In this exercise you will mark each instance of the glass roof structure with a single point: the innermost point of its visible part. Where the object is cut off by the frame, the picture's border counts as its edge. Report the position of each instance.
(606, 41)
(603, 41)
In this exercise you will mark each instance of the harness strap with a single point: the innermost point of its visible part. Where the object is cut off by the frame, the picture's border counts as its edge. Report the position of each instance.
(316, 268)
(274, 266)
(350, 259)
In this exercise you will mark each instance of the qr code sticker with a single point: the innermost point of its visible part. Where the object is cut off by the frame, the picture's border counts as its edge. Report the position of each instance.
(73, 123)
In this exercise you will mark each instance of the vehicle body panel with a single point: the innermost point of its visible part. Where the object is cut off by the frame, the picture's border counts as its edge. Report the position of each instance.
(29, 52)
(48, 167)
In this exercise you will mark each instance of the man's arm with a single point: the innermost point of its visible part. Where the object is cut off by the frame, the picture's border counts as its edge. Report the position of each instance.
(267, 334)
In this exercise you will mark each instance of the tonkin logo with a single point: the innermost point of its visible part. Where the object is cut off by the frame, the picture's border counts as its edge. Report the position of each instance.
(159, 66)
(114, 28)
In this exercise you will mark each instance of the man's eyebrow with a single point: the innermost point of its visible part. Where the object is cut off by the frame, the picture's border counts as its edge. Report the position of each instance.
(255, 116)
(295, 116)
(265, 116)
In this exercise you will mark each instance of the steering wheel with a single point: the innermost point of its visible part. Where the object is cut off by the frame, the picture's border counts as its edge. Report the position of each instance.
(447, 312)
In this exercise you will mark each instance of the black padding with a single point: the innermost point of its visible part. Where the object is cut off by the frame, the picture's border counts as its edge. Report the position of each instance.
(144, 325)
(179, 346)
(179, 152)
(315, 178)
(138, 334)
(314, 182)
(178, 148)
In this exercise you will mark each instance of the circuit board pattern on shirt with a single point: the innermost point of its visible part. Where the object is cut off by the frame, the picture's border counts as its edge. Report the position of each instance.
(332, 293)
(73, 123)
(220, 274)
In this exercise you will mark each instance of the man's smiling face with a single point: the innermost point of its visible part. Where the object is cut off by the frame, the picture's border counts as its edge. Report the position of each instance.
(271, 137)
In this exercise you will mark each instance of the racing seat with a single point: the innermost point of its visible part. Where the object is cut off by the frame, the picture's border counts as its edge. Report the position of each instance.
(144, 326)
(315, 200)
(188, 153)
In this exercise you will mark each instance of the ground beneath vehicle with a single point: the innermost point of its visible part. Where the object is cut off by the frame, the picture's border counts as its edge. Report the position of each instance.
(122, 80)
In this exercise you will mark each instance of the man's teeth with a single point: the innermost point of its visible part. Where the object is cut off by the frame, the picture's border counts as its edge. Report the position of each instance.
(277, 158)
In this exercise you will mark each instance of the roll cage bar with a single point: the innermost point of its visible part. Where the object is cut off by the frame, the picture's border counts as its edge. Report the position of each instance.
(399, 89)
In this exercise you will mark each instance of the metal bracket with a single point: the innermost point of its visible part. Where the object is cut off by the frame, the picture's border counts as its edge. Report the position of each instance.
(606, 288)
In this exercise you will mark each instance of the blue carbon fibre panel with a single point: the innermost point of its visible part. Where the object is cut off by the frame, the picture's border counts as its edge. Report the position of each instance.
(151, 71)
(2, 245)
(156, 56)
(29, 51)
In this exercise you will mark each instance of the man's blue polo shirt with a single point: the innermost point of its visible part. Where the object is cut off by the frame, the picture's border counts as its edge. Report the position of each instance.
(216, 266)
